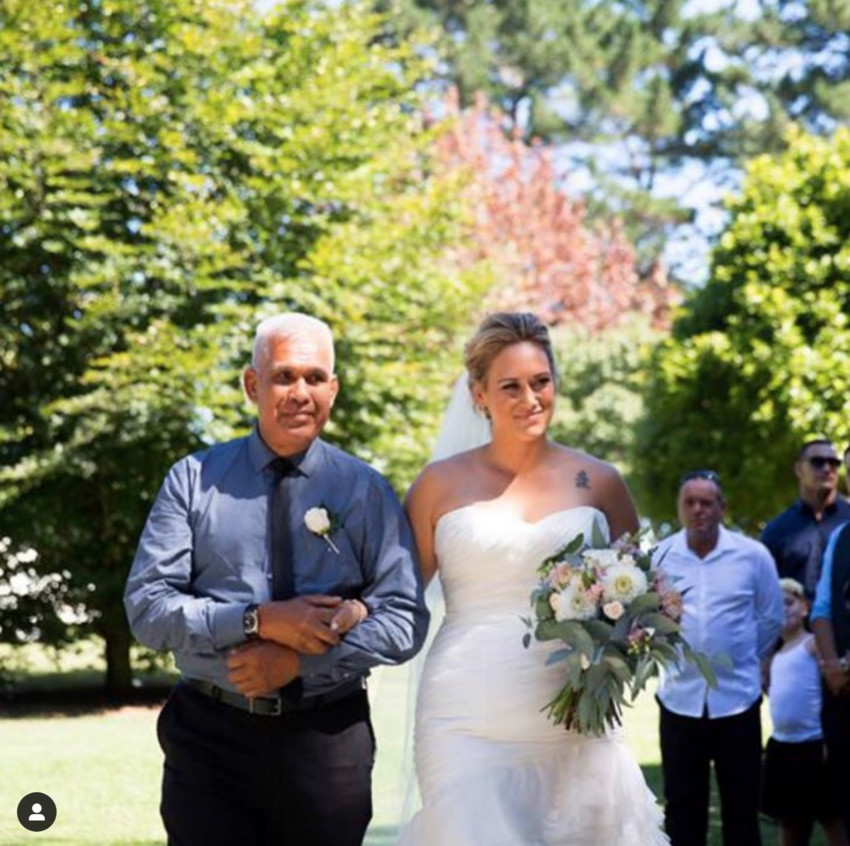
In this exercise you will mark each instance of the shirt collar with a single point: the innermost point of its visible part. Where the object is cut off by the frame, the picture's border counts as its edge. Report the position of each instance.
(807, 509)
(306, 463)
(724, 542)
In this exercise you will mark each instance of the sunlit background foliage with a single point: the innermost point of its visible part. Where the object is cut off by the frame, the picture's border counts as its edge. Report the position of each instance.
(172, 172)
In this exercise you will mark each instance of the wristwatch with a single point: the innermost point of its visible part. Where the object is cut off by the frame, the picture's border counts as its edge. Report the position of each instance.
(251, 621)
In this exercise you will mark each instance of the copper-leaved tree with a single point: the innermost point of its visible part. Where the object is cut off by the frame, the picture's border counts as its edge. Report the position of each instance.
(546, 256)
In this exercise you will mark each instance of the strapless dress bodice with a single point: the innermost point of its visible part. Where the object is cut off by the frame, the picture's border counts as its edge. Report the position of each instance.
(488, 556)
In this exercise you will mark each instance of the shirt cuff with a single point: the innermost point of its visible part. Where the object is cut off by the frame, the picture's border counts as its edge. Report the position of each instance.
(317, 665)
(227, 626)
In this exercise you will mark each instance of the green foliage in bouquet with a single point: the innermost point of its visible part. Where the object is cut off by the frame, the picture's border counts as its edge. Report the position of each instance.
(618, 619)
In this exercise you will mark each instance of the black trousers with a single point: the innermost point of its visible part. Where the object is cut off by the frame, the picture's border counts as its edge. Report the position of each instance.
(230, 777)
(835, 716)
(688, 747)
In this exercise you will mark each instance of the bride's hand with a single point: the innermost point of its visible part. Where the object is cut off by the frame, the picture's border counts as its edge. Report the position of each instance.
(350, 613)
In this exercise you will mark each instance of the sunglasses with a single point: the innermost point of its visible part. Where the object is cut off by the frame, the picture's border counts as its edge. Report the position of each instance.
(818, 462)
(708, 475)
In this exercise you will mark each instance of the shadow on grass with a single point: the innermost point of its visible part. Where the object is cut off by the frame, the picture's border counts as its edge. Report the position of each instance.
(76, 694)
(73, 841)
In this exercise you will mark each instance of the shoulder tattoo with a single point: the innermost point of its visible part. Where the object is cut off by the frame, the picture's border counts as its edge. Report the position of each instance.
(582, 479)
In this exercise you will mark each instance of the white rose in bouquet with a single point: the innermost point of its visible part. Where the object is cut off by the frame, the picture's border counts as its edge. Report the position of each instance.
(623, 582)
(575, 604)
(602, 559)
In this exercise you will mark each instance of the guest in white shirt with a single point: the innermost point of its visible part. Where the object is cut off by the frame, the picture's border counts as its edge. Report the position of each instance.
(733, 614)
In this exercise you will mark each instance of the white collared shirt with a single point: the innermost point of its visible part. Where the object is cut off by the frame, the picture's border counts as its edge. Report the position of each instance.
(732, 614)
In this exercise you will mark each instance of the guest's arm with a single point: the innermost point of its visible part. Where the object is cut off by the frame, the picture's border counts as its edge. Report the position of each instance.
(836, 673)
(768, 603)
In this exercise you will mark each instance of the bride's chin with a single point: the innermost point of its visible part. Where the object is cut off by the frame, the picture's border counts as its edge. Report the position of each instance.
(537, 424)
(532, 433)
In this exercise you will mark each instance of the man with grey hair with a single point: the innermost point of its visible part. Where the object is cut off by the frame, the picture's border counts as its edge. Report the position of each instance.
(279, 570)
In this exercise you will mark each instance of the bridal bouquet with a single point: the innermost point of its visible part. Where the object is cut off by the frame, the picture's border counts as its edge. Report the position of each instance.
(618, 618)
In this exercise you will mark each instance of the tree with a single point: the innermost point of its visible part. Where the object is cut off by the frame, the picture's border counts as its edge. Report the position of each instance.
(758, 360)
(544, 254)
(601, 378)
(652, 89)
(169, 173)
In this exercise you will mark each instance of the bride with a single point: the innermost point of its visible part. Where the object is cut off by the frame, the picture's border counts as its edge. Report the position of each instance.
(492, 769)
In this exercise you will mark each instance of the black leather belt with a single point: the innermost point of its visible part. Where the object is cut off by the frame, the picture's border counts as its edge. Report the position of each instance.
(274, 706)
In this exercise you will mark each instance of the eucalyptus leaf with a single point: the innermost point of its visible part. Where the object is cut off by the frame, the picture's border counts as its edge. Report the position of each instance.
(660, 622)
(643, 603)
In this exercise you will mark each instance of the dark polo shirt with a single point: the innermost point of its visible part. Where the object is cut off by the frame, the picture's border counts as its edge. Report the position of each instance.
(797, 540)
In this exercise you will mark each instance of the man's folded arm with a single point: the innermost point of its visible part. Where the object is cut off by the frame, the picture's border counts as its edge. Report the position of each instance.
(162, 612)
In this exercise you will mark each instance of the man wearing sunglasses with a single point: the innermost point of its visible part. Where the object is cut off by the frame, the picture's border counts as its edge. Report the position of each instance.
(797, 537)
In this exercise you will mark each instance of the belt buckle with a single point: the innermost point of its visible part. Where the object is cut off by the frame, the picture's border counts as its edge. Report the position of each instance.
(275, 706)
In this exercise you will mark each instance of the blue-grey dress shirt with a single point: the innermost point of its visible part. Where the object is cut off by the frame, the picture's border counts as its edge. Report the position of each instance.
(205, 554)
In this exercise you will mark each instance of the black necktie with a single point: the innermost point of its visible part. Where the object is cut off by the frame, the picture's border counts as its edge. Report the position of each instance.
(283, 575)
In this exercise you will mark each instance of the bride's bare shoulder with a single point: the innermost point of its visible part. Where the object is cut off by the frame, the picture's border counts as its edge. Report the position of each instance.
(599, 484)
(439, 481)
(569, 458)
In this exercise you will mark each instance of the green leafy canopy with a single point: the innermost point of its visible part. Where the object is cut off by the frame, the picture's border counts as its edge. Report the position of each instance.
(758, 362)
(171, 171)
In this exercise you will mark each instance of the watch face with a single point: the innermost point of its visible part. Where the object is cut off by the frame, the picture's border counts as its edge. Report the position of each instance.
(251, 622)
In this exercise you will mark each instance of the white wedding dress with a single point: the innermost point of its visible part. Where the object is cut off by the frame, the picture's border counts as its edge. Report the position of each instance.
(492, 769)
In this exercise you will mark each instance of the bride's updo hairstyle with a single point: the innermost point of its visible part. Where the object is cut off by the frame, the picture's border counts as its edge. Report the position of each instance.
(500, 330)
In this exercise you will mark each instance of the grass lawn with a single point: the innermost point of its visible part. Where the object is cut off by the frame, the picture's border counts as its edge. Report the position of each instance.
(102, 768)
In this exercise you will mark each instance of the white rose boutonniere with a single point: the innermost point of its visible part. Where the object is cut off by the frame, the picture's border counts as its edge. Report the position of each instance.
(322, 522)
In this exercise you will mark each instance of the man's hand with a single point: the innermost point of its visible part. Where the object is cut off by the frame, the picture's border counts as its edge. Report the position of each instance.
(348, 615)
(302, 623)
(261, 668)
(837, 678)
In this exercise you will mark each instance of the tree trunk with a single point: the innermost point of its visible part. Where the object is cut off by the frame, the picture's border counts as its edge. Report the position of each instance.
(116, 633)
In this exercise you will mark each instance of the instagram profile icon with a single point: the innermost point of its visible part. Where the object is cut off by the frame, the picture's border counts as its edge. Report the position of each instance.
(36, 812)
